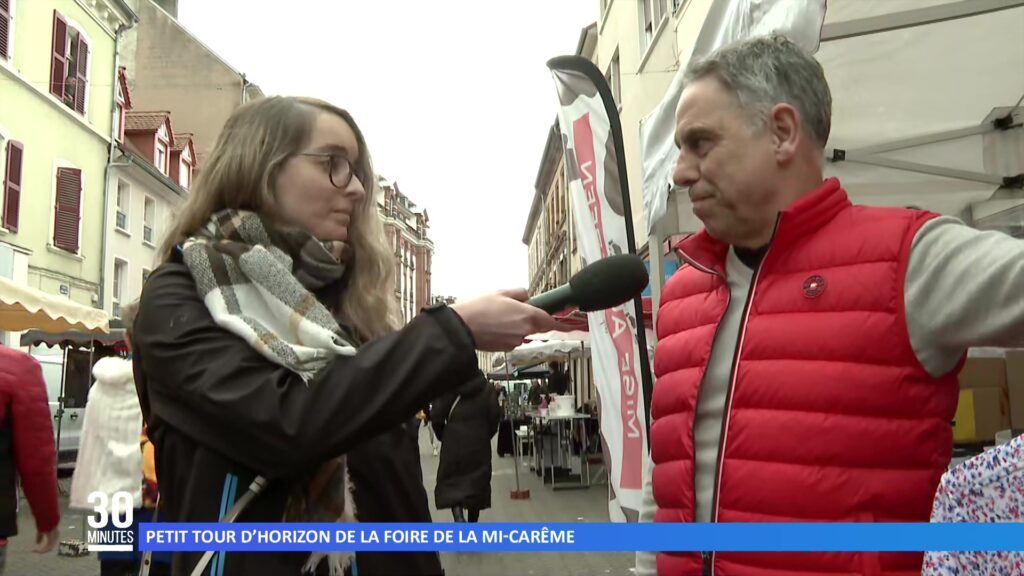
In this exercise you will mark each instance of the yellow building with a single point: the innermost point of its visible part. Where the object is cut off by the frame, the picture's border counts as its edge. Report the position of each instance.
(57, 77)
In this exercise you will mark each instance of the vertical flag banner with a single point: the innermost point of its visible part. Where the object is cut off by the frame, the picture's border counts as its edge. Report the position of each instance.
(596, 178)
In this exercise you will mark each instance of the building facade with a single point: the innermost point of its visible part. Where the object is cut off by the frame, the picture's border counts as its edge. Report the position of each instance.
(406, 227)
(550, 233)
(638, 45)
(170, 69)
(150, 176)
(57, 76)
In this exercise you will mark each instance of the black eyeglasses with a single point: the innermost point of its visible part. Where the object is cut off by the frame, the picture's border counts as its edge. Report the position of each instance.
(339, 168)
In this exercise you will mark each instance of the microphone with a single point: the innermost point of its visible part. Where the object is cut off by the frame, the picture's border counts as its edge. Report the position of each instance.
(599, 286)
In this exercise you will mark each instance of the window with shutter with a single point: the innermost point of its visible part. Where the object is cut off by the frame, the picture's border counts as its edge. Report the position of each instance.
(82, 75)
(71, 68)
(5, 29)
(12, 185)
(67, 209)
(59, 60)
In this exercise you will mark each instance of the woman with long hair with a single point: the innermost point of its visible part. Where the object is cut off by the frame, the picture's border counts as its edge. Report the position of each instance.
(272, 371)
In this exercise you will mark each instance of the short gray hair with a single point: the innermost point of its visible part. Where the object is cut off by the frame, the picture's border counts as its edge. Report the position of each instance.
(769, 70)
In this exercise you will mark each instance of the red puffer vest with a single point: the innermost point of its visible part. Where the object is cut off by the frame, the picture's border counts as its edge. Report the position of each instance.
(830, 416)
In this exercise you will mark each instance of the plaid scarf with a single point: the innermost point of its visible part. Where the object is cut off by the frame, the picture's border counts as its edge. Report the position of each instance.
(256, 280)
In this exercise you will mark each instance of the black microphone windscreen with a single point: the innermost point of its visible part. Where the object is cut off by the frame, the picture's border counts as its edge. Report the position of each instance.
(609, 282)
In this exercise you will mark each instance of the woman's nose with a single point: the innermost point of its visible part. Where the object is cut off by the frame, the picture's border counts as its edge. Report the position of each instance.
(355, 188)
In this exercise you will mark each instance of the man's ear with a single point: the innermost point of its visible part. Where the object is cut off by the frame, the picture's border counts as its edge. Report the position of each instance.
(785, 127)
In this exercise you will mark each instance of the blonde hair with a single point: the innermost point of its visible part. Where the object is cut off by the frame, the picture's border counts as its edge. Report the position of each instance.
(240, 173)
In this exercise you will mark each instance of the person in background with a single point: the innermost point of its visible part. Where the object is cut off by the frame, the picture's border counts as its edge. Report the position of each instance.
(465, 420)
(27, 451)
(537, 392)
(109, 460)
(558, 381)
(424, 418)
(268, 345)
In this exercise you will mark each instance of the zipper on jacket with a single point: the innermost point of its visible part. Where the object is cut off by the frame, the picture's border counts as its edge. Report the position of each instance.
(705, 556)
(732, 384)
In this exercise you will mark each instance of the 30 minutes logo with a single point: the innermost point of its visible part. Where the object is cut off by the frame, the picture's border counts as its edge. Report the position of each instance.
(110, 526)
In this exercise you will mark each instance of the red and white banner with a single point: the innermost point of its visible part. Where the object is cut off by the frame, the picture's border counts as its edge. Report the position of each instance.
(595, 176)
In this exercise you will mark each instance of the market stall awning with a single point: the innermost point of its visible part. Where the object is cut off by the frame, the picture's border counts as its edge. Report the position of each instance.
(521, 373)
(575, 320)
(24, 308)
(74, 338)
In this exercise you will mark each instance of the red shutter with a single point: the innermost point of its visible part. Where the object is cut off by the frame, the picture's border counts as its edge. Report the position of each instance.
(5, 29)
(120, 120)
(59, 61)
(69, 200)
(83, 74)
(12, 185)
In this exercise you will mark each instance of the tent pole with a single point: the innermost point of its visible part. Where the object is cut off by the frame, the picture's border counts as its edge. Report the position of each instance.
(518, 493)
(60, 400)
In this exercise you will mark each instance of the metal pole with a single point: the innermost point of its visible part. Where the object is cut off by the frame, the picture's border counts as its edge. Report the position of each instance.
(518, 493)
(60, 400)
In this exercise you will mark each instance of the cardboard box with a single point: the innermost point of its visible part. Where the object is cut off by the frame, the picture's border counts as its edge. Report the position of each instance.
(1015, 385)
(983, 373)
(980, 414)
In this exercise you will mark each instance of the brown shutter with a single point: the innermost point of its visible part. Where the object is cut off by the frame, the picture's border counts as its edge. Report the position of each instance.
(12, 185)
(5, 29)
(69, 201)
(59, 61)
(82, 74)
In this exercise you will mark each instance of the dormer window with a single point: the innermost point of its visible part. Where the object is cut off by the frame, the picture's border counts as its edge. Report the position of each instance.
(185, 168)
(162, 150)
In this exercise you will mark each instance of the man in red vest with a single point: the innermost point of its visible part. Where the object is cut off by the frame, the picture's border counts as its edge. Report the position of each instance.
(808, 353)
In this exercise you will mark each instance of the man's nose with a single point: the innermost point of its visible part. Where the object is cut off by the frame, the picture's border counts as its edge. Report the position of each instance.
(687, 170)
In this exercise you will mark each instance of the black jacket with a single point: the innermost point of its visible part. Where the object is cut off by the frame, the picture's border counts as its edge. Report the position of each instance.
(219, 413)
(464, 472)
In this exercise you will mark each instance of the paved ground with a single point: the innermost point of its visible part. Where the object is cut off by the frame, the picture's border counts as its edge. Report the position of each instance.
(544, 505)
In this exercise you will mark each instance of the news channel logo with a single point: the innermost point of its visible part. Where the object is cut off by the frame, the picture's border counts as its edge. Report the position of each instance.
(110, 528)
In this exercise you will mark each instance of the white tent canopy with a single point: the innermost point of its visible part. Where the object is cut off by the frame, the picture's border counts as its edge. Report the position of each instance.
(539, 351)
(926, 110)
(557, 347)
(917, 87)
(23, 308)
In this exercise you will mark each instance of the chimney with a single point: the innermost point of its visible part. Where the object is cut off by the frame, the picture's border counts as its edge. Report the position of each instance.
(169, 6)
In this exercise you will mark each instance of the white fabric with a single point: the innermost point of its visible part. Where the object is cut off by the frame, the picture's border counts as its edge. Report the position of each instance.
(727, 21)
(109, 455)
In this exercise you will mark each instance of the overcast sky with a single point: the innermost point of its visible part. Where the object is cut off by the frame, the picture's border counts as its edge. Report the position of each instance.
(454, 97)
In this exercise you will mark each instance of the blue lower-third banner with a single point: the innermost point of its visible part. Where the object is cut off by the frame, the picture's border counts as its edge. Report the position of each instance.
(583, 537)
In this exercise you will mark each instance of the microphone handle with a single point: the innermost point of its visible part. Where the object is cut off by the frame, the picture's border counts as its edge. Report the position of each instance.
(553, 300)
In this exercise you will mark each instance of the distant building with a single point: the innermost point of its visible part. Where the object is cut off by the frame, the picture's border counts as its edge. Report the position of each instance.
(151, 173)
(57, 77)
(170, 69)
(406, 226)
